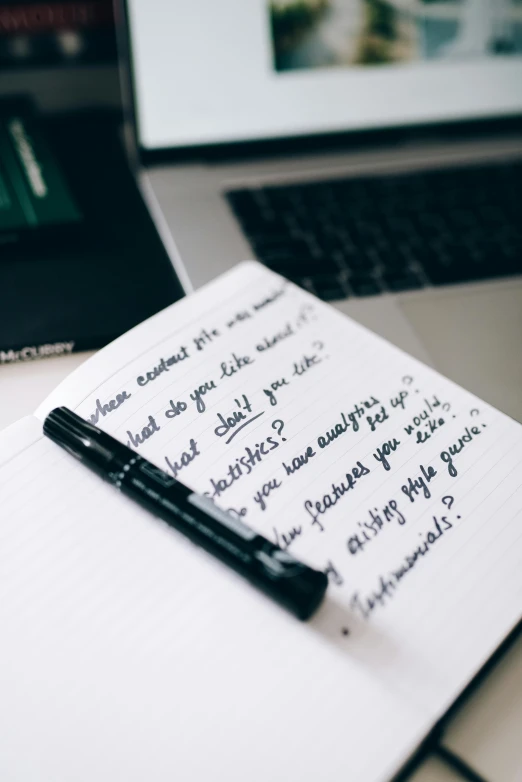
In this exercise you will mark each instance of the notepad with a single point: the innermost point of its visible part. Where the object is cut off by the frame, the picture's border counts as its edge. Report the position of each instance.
(129, 653)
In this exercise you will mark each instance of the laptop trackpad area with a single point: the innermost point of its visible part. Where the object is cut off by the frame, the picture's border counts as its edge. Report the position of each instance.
(473, 335)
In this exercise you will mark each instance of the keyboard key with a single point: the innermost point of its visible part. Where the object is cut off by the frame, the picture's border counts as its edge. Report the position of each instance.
(329, 287)
(275, 243)
(394, 260)
(364, 286)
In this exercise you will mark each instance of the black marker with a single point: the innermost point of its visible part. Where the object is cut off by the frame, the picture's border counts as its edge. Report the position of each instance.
(297, 587)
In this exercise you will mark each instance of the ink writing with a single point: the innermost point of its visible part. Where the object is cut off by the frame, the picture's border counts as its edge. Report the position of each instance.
(108, 407)
(316, 509)
(367, 603)
(234, 364)
(163, 365)
(188, 456)
(448, 455)
(199, 393)
(138, 438)
(373, 525)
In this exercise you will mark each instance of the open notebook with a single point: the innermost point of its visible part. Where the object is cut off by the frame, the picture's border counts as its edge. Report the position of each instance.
(128, 653)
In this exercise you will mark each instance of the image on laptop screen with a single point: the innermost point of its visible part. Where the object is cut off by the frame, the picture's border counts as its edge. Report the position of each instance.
(342, 33)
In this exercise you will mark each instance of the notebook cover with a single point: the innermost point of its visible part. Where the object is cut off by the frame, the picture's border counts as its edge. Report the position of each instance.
(81, 286)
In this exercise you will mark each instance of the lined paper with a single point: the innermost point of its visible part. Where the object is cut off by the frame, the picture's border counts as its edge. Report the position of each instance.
(402, 486)
(128, 653)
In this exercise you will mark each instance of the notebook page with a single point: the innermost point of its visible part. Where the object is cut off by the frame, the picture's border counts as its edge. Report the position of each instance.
(128, 653)
(405, 488)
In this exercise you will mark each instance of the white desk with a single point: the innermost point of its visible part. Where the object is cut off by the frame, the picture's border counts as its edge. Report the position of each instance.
(24, 386)
(486, 733)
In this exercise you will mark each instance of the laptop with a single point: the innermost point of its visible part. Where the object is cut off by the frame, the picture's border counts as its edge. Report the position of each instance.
(368, 150)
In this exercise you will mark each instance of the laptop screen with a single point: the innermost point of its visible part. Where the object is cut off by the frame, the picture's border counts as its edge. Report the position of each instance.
(210, 71)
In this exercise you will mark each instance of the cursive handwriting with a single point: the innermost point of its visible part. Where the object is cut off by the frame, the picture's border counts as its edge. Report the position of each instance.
(385, 590)
(458, 447)
(234, 364)
(205, 337)
(175, 466)
(285, 539)
(299, 461)
(275, 385)
(163, 365)
(236, 421)
(269, 342)
(317, 508)
(375, 522)
(270, 299)
(243, 465)
(262, 495)
(147, 431)
(108, 407)
(420, 484)
(198, 394)
(385, 450)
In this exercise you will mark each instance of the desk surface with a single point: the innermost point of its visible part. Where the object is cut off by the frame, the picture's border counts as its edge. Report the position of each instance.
(23, 386)
(483, 741)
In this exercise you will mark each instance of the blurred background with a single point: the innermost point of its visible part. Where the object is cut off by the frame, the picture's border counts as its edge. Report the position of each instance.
(63, 53)
(72, 268)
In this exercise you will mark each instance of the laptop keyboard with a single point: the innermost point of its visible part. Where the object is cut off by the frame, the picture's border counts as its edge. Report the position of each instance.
(368, 235)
